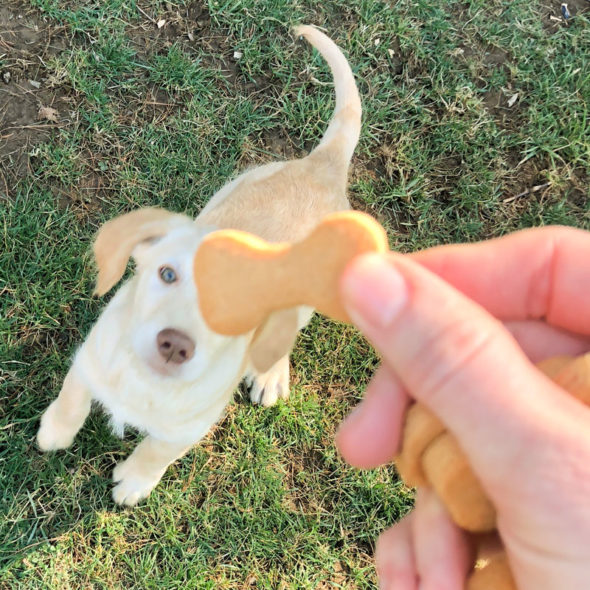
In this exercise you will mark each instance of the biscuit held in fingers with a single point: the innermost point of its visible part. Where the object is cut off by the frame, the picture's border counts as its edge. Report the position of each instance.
(495, 574)
(420, 429)
(241, 279)
(554, 365)
(574, 377)
(448, 472)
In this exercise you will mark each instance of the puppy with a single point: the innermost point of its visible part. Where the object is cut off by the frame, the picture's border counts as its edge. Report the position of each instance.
(150, 359)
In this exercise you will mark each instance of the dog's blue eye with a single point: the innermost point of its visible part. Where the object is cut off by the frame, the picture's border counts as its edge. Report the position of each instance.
(167, 274)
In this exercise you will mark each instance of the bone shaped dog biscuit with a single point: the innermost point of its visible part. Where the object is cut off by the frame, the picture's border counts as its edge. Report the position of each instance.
(241, 279)
(430, 456)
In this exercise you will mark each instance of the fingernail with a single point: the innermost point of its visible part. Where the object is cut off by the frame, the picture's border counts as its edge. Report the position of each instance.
(373, 291)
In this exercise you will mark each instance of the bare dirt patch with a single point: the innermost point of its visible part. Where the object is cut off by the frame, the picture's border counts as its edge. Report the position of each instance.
(158, 31)
(555, 18)
(190, 28)
(26, 94)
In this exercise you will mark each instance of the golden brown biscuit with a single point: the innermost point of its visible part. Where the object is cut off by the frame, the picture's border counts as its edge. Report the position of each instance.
(554, 365)
(421, 427)
(574, 377)
(494, 575)
(450, 475)
(241, 279)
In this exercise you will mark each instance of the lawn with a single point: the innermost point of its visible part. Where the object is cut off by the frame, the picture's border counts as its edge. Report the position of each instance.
(476, 123)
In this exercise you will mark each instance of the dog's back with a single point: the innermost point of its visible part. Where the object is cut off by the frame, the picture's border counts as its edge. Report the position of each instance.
(283, 201)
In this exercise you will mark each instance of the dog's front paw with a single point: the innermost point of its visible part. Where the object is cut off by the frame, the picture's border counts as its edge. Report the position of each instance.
(53, 434)
(267, 388)
(133, 483)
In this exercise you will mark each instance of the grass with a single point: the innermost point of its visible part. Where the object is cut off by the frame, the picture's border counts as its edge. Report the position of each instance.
(159, 119)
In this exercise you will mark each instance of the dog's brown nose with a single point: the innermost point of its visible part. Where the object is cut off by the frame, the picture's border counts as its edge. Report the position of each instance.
(174, 346)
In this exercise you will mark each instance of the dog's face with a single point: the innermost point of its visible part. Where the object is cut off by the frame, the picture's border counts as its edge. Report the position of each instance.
(166, 329)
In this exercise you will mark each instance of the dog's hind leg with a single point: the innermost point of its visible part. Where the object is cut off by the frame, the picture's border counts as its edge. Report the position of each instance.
(64, 417)
(266, 388)
(268, 374)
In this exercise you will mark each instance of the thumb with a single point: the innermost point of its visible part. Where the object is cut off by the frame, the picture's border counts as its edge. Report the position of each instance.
(453, 357)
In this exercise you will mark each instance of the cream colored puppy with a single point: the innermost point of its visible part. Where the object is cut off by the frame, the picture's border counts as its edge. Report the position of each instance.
(150, 359)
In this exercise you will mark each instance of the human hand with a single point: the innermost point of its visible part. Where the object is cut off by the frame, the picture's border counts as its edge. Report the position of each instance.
(527, 440)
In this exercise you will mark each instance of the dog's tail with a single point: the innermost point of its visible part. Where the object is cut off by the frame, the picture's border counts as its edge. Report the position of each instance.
(343, 131)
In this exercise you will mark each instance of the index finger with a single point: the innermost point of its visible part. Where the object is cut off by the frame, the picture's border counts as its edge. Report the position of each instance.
(541, 273)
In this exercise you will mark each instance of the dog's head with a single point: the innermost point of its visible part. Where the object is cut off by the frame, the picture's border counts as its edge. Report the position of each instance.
(166, 330)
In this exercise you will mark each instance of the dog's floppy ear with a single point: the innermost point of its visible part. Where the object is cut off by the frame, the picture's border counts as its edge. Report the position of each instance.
(274, 339)
(117, 238)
